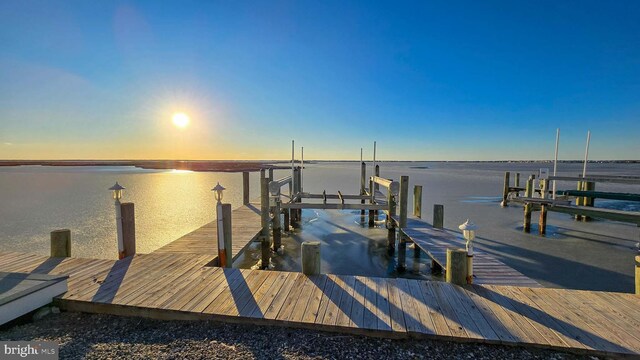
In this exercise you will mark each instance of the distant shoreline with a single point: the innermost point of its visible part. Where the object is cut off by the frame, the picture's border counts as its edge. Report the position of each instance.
(239, 165)
(196, 165)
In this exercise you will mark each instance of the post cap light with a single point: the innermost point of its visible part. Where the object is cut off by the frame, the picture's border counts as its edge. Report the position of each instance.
(117, 191)
(218, 189)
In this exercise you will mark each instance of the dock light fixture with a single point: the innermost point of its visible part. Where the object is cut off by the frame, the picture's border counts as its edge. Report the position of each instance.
(469, 233)
(117, 195)
(218, 189)
(117, 191)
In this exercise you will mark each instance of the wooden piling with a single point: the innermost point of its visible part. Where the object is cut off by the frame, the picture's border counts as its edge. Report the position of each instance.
(579, 199)
(542, 222)
(128, 229)
(438, 216)
(391, 224)
(528, 207)
(456, 271)
(277, 229)
(311, 259)
(402, 221)
(505, 190)
(245, 187)
(270, 174)
(588, 201)
(286, 220)
(377, 188)
(61, 243)
(296, 213)
(228, 241)
(417, 201)
(371, 201)
(517, 180)
(265, 243)
(363, 183)
(638, 275)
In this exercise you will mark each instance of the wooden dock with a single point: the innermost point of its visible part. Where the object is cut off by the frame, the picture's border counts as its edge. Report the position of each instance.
(487, 270)
(180, 286)
(245, 228)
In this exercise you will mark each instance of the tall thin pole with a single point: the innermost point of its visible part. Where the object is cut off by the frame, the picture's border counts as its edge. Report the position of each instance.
(374, 158)
(301, 168)
(120, 237)
(586, 155)
(555, 162)
(293, 152)
(360, 155)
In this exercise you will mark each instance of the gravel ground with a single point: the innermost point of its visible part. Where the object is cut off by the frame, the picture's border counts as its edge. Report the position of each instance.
(111, 337)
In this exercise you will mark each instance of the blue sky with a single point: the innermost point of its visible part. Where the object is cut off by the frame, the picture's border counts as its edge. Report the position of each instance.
(427, 80)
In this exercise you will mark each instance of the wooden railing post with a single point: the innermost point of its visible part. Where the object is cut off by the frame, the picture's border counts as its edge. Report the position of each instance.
(438, 216)
(245, 187)
(528, 207)
(311, 258)
(417, 201)
(264, 219)
(61, 243)
(456, 271)
(225, 257)
(505, 190)
(637, 274)
(391, 225)
(588, 201)
(377, 188)
(277, 232)
(371, 201)
(363, 184)
(402, 223)
(128, 228)
(542, 223)
(579, 199)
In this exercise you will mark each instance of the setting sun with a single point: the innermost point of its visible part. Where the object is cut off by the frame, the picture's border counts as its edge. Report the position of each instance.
(181, 120)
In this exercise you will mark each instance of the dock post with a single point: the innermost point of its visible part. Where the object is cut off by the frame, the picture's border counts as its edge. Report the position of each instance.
(270, 174)
(61, 243)
(417, 201)
(296, 213)
(299, 211)
(637, 274)
(127, 210)
(277, 232)
(588, 201)
(285, 223)
(579, 199)
(456, 272)
(391, 225)
(542, 223)
(371, 201)
(402, 223)
(377, 188)
(517, 181)
(505, 190)
(438, 216)
(363, 181)
(245, 187)
(311, 257)
(264, 219)
(528, 207)
(225, 258)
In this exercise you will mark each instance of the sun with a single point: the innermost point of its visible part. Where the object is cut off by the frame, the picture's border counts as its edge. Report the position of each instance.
(181, 120)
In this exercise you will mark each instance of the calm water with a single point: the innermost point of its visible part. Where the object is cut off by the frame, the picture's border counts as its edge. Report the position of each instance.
(597, 255)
